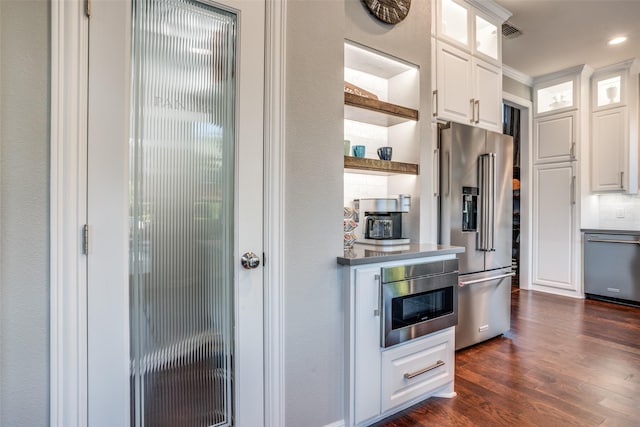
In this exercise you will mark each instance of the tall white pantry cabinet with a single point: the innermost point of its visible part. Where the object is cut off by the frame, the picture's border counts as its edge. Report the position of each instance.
(560, 124)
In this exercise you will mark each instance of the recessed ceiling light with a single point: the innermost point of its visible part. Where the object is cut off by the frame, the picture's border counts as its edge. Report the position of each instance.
(617, 40)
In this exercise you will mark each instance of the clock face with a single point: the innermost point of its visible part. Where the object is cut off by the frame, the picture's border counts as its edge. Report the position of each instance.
(389, 11)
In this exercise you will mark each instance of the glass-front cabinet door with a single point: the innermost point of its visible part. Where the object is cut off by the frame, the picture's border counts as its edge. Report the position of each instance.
(462, 25)
(453, 22)
(486, 38)
(608, 90)
(556, 96)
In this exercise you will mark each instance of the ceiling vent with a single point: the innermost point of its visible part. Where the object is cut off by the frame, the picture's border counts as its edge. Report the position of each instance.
(509, 31)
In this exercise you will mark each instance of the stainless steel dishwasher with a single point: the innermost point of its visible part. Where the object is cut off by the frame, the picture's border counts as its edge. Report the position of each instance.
(612, 266)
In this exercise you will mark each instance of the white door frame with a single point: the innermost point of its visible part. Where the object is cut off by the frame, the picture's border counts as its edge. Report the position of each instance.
(68, 303)
(526, 138)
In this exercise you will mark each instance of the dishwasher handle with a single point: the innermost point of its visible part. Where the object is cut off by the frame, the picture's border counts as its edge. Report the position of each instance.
(629, 242)
(485, 279)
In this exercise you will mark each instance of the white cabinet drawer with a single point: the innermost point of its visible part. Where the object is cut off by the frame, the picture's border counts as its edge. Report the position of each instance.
(416, 369)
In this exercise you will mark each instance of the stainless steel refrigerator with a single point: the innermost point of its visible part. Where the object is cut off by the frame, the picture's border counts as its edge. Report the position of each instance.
(476, 212)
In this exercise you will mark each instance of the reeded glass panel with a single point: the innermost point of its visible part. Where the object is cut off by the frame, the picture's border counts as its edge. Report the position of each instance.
(609, 91)
(454, 21)
(181, 214)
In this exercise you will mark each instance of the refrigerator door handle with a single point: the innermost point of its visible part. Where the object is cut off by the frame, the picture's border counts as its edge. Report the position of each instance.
(436, 172)
(493, 185)
(486, 279)
(488, 202)
(481, 231)
(448, 173)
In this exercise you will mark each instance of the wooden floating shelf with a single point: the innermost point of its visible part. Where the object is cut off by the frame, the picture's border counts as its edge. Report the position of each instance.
(376, 112)
(380, 166)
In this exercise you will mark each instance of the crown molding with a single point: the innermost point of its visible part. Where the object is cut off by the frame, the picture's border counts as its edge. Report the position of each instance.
(491, 8)
(582, 69)
(516, 75)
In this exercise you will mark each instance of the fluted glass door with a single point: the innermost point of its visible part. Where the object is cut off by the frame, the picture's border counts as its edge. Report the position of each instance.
(182, 181)
(174, 199)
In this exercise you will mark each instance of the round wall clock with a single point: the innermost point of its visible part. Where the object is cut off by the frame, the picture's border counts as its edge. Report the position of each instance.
(389, 11)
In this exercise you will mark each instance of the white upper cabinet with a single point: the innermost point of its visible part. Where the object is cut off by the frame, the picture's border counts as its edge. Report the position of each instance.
(469, 90)
(560, 105)
(454, 95)
(555, 138)
(467, 87)
(474, 26)
(609, 153)
(614, 128)
(488, 94)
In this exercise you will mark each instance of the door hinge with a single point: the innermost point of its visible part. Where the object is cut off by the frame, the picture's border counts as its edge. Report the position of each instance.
(85, 239)
(87, 8)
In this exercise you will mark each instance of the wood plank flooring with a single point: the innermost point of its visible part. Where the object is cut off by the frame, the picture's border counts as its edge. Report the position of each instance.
(565, 362)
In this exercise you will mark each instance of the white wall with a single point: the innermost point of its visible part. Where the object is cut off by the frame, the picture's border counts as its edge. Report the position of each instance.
(313, 306)
(517, 88)
(314, 197)
(24, 213)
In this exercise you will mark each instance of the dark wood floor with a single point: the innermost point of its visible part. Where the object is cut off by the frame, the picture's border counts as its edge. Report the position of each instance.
(565, 362)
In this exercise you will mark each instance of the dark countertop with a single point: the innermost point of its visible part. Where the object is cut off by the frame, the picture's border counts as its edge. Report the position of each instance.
(369, 254)
(609, 231)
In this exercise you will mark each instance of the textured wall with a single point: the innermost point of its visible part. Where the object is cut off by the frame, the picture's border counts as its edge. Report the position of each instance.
(24, 213)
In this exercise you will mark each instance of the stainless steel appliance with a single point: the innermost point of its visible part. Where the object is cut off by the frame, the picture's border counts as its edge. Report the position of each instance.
(612, 266)
(476, 212)
(418, 299)
(382, 223)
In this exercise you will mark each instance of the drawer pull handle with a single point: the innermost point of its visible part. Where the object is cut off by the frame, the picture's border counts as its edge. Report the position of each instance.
(408, 376)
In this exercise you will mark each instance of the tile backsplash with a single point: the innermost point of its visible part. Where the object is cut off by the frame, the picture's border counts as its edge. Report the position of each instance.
(619, 211)
(362, 186)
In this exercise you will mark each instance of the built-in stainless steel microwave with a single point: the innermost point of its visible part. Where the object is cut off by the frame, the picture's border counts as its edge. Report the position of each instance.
(418, 299)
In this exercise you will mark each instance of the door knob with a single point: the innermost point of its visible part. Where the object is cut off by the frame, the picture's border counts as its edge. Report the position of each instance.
(250, 260)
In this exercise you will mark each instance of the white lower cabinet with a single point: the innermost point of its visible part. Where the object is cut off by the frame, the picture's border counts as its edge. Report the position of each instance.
(415, 369)
(555, 228)
(382, 381)
(367, 343)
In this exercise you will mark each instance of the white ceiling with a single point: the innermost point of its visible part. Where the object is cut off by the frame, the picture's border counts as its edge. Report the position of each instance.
(558, 34)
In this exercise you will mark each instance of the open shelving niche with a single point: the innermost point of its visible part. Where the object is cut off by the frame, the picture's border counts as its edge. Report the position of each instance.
(391, 120)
